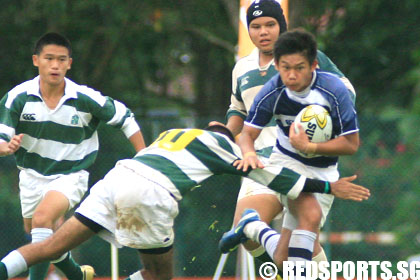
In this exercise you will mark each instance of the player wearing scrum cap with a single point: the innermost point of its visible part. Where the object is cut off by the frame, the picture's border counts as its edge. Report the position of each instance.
(297, 85)
(265, 23)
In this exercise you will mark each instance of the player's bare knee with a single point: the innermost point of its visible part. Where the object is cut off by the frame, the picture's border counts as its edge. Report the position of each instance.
(41, 220)
(310, 220)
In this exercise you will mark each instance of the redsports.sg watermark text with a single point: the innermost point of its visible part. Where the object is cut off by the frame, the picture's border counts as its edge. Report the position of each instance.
(360, 270)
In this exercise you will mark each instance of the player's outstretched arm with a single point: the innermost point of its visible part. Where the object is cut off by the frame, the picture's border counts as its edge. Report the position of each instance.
(246, 143)
(345, 189)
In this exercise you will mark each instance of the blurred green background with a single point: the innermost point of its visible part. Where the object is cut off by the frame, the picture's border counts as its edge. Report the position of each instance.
(170, 61)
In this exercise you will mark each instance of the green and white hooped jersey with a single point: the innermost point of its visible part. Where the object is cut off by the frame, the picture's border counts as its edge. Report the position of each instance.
(186, 157)
(62, 140)
(247, 80)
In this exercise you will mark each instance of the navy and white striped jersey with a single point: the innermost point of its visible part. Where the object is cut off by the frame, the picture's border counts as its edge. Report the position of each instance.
(275, 100)
(247, 81)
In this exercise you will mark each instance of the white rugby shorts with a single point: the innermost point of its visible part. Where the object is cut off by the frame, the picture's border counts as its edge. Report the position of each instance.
(325, 200)
(33, 188)
(137, 212)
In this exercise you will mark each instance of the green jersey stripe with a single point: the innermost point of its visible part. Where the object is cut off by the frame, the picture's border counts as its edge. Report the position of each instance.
(222, 142)
(48, 167)
(167, 167)
(284, 180)
(54, 132)
(253, 78)
(210, 159)
(5, 137)
(59, 151)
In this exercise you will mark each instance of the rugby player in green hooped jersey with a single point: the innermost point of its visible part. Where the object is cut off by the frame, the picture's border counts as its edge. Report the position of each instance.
(266, 22)
(141, 214)
(50, 124)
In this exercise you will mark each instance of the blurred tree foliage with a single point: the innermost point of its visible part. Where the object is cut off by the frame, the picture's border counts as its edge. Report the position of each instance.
(141, 52)
(182, 51)
(174, 58)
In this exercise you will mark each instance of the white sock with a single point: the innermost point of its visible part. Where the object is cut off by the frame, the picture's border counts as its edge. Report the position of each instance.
(136, 276)
(252, 230)
(320, 257)
(301, 245)
(260, 232)
(15, 264)
(40, 234)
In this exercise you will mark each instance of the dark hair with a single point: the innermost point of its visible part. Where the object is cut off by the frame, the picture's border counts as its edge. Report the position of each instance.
(266, 8)
(52, 38)
(296, 41)
(220, 129)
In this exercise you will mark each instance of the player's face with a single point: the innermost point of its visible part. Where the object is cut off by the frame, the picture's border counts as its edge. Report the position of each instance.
(264, 32)
(53, 63)
(295, 71)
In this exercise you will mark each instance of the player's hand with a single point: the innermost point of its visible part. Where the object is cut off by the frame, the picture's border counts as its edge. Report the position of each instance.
(248, 161)
(300, 140)
(13, 145)
(345, 189)
(216, 123)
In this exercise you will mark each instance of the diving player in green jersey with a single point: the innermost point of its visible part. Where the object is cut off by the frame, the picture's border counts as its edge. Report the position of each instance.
(136, 203)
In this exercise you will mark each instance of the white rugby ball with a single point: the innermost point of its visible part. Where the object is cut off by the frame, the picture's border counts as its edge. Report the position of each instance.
(316, 122)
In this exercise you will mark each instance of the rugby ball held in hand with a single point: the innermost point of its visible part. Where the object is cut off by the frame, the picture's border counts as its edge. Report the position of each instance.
(316, 122)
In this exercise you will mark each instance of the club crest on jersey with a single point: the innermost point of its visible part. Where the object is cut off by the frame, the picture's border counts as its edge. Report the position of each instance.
(75, 120)
(320, 117)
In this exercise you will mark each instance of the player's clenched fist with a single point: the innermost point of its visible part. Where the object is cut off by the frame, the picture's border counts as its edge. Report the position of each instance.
(8, 148)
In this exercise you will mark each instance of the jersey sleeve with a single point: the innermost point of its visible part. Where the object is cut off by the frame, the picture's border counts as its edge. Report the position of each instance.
(344, 113)
(279, 179)
(326, 64)
(237, 106)
(262, 109)
(113, 113)
(9, 117)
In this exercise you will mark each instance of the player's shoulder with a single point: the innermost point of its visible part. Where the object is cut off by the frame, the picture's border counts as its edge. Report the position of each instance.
(23, 87)
(22, 90)
(329, 81)
(84, 92)
(247, 63)
(331, 85)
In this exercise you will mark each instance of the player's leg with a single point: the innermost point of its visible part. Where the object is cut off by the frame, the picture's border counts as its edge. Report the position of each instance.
(67, 237)
(308, 213)
(59, 196)
(53, 206)
(266, 202)
(157, 264)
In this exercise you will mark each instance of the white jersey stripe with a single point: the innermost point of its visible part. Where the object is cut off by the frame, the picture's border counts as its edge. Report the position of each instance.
(10, 131)
(120, 111)
(59, 151)
(63, 116)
